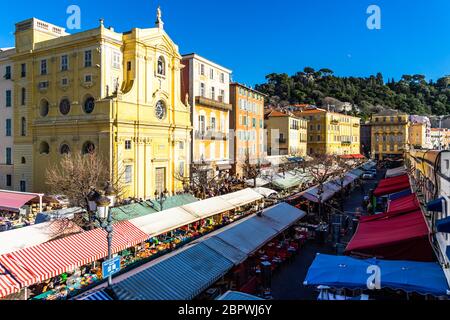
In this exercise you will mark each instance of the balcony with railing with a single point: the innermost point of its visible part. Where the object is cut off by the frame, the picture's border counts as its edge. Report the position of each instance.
(346, 143)
(213, 103)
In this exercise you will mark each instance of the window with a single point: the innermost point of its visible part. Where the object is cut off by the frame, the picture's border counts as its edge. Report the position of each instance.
(222, 95)
(44, 108)
(161, 66)
(89, 105)
(128, 65)
(64, 63)
(88, 78)
(23, 160)
(202, 123)
(64, 149)
(8, 127)
(213, 93)
(222, 77)
(8, 156)
(202, 89)
(213, 123)
(202, 69)
(23, 186)
(64, 81)
(127, 144)
(8, 98)
(43, 85)
(64, 106)
(211, 73)
(44, 148)
(116, 60)
(8, 72)
(181, 168)
(9, 180)
(260, 123)
(318, 138)
(88, 147)
(43, 67)
(23, 96)
(23, 70)
(23, 127)
(254, 122)
(88, 58)
(181, 145)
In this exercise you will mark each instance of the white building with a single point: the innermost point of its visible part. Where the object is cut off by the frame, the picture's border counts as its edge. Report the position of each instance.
(206, 87)
(6, 119)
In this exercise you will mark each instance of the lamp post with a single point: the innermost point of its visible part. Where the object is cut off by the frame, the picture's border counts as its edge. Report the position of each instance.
(161, 197)
(104, 217)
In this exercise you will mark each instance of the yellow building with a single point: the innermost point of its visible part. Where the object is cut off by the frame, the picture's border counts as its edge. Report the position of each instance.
(420, 132)
(247, 125)
(115, 93)
(286, 134)
(331, 132)
(390, 134)
(206, 85)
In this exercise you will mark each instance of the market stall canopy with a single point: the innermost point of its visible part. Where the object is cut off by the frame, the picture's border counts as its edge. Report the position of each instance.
(404, 237)
(330, 188)
(186, 273)
(392, 185)
(95, 296)
(259, 182)
(16, 239)
(238, 296)
(68, 213)
(13, 201)
(400, 206)
(352, 156)
(39, 263)
(368, 165)
(164, 221)
(8, 285)
(265, 192)
(242, 197)
(357, 172)
(396, 172)
(404, 205)
(343, 272)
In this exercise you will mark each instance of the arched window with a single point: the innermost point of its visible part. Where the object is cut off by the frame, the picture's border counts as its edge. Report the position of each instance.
(88, 147)
(44, 107)
(64, 149)
(23, 161)
(44, 148)
(89, 104)
(161, 66)
(23, 127)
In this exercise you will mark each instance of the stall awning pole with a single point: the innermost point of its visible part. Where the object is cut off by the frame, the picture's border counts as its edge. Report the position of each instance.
(40, 203)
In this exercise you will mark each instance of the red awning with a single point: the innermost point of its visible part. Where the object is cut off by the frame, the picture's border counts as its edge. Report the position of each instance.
(14, 201)
(404, 237)
(392, 185)
(352, 156)
(7, 283)
(397, 207)
(39, 263)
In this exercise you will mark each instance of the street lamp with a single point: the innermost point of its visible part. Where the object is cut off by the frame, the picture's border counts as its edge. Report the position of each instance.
(104, 217)
(161, 197)
(109, 193)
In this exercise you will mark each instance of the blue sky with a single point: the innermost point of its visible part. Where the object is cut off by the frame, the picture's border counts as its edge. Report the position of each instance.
(258, 37)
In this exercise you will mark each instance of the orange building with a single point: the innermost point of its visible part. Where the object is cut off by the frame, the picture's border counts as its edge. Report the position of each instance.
(247, 123)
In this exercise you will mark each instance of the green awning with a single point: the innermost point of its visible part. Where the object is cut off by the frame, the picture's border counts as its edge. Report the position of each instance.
(136, 210)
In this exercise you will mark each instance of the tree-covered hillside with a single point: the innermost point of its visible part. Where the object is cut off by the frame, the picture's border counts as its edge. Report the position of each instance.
(411, 94)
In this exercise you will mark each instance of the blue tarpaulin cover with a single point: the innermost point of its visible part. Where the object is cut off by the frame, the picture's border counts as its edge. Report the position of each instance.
(436, 205)
(350, 273)
(443, 225)
(400, 194)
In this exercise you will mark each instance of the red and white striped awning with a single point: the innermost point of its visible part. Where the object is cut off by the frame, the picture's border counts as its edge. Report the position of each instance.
(7, 283)
(39, 263)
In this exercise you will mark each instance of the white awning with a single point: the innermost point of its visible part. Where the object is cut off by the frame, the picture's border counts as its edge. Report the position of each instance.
(265, 192)
(209, 207)
(164, 221)
(242, 197)
(16, 239)
(396, 172)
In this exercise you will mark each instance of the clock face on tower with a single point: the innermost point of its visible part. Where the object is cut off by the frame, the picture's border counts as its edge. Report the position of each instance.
(160, 110)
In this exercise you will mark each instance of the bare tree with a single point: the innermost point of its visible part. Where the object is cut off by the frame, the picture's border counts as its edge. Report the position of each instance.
(77, 175)
(251, 169)
(343, 167)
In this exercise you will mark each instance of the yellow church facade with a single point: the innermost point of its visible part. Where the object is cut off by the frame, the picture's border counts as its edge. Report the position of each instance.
(115, 93)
